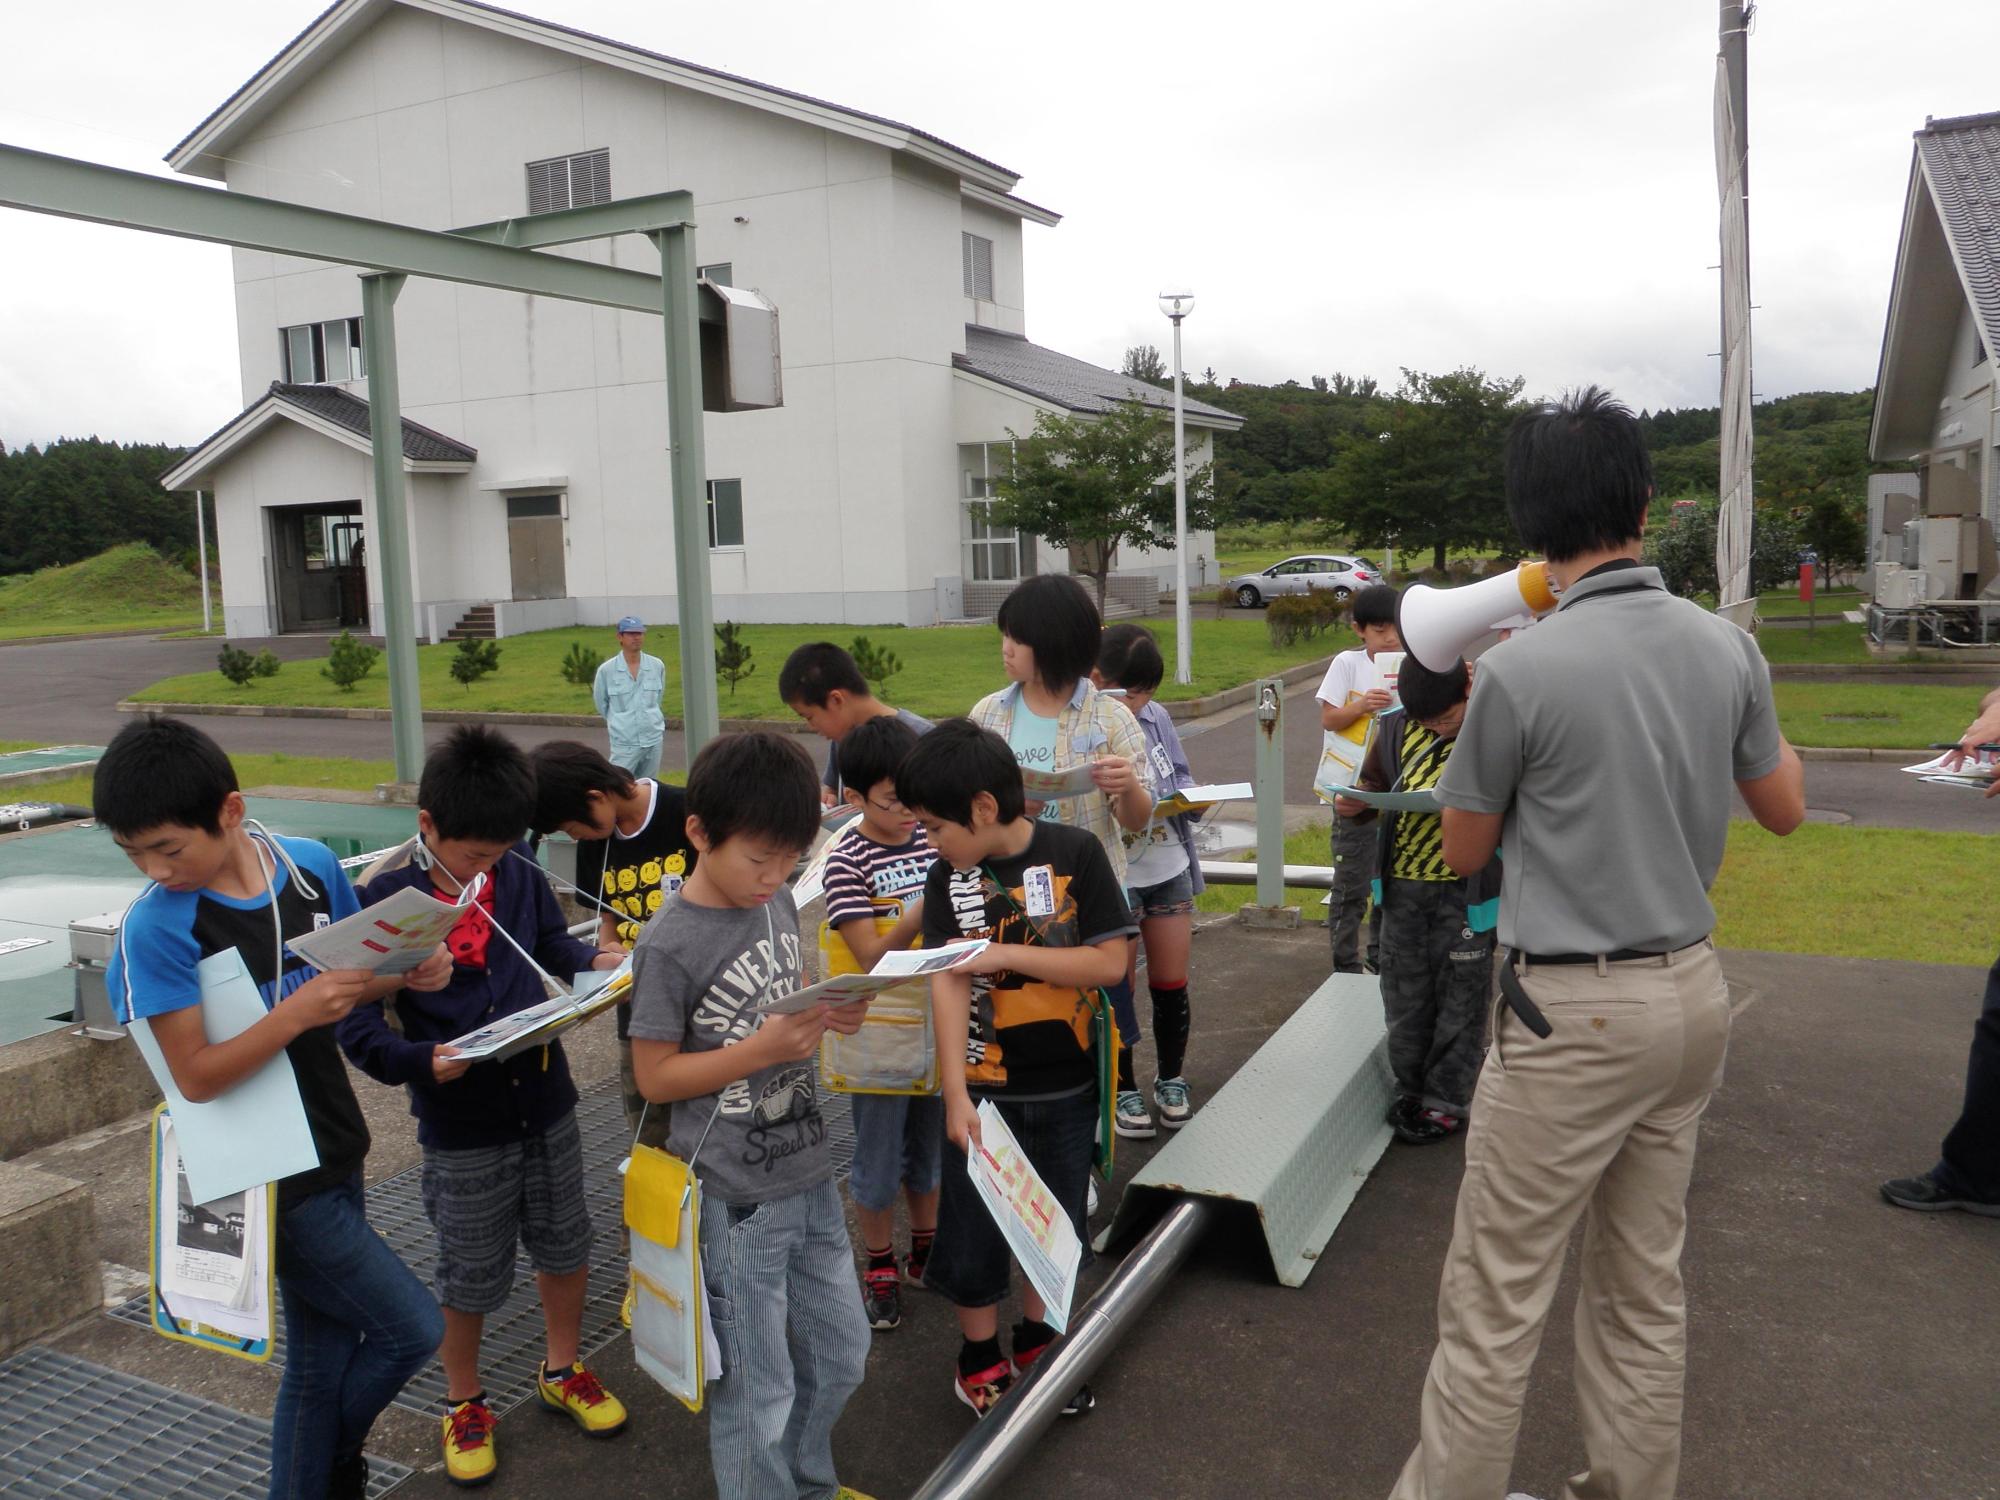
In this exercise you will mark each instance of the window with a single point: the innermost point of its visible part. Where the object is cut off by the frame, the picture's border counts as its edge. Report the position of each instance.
(720, 273)
(976, 253)
(569, 181)
(993, 553)
(323, 353)
(725, 513)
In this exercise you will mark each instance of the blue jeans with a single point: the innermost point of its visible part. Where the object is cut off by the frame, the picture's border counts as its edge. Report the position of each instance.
(358, 1325)
(1970, 1165)
(793, 1341)
(898, 1143)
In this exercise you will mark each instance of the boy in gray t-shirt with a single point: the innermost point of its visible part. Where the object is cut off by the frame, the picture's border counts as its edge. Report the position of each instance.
(774, 1248)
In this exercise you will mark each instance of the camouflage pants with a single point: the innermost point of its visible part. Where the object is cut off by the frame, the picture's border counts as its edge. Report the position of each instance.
(1347, 902)
(1437, 976)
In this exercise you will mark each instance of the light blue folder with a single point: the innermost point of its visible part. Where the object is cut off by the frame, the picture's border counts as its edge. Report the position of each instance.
(257, 1131)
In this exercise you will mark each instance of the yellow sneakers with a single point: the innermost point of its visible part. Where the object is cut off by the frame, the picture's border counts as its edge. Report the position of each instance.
(844, 1493)
(577, 1392)
(469, 1456)
(625, 1307)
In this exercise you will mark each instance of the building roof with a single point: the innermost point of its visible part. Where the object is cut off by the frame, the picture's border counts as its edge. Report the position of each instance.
(1009, 359)
(202, 150)
(1948, 257)
(326, 409)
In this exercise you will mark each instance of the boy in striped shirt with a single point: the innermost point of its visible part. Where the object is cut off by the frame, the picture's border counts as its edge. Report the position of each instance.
(1437, 927)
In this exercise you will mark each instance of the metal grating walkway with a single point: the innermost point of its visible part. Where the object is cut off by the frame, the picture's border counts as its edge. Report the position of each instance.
(72, 1430)
(511, 1351)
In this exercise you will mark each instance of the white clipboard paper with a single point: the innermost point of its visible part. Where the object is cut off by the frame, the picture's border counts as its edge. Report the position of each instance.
(1036, 1227)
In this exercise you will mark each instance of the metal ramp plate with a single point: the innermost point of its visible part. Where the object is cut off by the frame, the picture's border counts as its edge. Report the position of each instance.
(1294, 1134)
(73, 1430)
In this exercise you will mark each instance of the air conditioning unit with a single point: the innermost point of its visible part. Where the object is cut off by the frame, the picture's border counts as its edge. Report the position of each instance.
(1900, 588)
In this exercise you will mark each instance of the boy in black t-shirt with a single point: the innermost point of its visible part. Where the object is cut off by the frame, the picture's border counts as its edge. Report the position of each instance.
(1014, 1024)
(632, 853)
(227, 895)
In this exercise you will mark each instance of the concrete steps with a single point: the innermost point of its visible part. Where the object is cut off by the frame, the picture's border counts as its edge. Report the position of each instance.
(476, 624)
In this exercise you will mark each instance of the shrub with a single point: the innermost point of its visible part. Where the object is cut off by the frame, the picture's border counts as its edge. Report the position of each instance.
(732, 656)
(474, 660)
(1226, 597)
(266, 664)
(580, 666)
(348, 661)
(238, 665)
(1299, 617)
(876, 663)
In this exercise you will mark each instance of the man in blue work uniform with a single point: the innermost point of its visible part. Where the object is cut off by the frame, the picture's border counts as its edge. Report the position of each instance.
(627, 692)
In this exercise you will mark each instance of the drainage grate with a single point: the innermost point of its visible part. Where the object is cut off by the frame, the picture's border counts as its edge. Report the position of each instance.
(72, 1430)
(511, 1350)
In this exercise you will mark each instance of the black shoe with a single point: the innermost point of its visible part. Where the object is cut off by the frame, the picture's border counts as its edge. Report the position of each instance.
(1426, 1127)
(348, 1478)
(1927, 1195)
(1403, 1110)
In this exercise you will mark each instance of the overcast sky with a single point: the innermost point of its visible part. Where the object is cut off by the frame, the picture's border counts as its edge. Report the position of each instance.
(1527, 187)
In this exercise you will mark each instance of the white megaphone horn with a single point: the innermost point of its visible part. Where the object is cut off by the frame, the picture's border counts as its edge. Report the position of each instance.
(1438, 624)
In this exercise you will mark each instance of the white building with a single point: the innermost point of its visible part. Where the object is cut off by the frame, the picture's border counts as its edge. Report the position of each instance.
(535, 434)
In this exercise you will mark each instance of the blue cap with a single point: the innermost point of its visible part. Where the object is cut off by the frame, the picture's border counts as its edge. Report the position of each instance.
(631, 622)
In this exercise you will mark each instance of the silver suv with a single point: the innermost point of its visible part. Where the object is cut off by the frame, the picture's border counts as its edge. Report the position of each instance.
(1339, 575)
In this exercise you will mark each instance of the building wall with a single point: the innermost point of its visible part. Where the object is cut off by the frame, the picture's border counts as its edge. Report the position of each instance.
(847, 489)
(1965, 419)
(1008, 308)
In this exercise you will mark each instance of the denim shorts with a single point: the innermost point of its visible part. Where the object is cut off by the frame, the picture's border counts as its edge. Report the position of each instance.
(484, 1199)
(1173, 897)
(898, 1143)
(970, 1262)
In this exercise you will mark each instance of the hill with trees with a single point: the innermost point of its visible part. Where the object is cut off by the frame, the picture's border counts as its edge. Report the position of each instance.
(79, 496)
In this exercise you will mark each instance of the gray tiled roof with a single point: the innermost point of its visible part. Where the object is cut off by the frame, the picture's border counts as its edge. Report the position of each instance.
(1070, 383)
(1962, 160)
(591, 36)
(420, 443)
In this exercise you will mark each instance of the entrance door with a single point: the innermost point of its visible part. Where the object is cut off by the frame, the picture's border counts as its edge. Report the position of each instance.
(535, 546)
(316, 562)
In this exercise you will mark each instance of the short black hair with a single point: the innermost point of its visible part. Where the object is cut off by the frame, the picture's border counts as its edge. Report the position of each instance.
(762, 785)
(566, 773)
(1578, 475)
(477, 784)
(1129, 657)
(1051, 614)
(1374, 605)
(158, 771)
(953, 764)
(873, 751)
(1425, 693)
(817, 670)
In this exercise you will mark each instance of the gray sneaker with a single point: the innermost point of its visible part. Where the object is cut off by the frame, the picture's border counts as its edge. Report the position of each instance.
(1927, 1195)
(1171, 1099)
(1130, 1117)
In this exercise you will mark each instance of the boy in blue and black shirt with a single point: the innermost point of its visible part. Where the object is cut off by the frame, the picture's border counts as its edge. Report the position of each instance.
(503, 1159)
(1437, 926)
(358, 1324)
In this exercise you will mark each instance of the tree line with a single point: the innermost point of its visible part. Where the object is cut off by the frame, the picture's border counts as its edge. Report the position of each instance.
(81, 496)
(1419, 467)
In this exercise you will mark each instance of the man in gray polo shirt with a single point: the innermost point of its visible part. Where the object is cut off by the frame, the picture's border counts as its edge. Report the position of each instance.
(1599, 749)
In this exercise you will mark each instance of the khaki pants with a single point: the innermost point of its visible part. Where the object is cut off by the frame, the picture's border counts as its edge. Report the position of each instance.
(1597, 1121)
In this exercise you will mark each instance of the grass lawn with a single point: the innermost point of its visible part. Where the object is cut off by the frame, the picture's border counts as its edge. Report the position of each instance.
(1883, 716)
(127, 588)
(280, 769)
(945, 671)
(6, 746)
(1837, 641)
(1828, 606)
(1839, 891)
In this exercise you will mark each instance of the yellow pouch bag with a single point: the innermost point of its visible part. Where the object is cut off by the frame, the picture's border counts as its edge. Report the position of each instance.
(655, 1184)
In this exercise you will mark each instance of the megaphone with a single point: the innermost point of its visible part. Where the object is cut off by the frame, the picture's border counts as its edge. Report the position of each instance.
(1438, 624)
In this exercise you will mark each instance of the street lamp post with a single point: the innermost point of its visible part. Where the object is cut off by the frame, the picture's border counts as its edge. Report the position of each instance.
(1177, 305)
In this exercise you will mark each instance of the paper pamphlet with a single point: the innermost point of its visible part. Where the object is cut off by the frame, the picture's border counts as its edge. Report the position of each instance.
(1036, 1227)
(391, 937)
(1196, 798)
(540, 1024)
(1977, 772)
(1051, 786)
(253, 1133)
(209, 1264)
(892, 968)
(1424, 801)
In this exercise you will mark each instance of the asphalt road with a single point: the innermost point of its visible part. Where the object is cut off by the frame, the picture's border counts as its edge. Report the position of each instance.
(66, 693)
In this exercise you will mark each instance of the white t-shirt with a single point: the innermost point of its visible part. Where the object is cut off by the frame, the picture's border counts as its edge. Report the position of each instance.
(1344, 676)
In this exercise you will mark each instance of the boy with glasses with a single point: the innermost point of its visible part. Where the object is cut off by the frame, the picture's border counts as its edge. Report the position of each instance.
(877, 870)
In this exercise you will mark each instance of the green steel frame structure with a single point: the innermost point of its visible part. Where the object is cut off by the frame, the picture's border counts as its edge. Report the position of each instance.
(500, 255)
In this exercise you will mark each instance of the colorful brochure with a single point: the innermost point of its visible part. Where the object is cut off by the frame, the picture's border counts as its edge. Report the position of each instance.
(1189, 799)
(1036, 1227)
(1052, 786)
(391, 937)
(541, 1024)
(891, 969)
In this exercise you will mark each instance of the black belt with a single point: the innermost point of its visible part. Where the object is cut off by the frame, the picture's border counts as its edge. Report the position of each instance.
(1517, 997)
